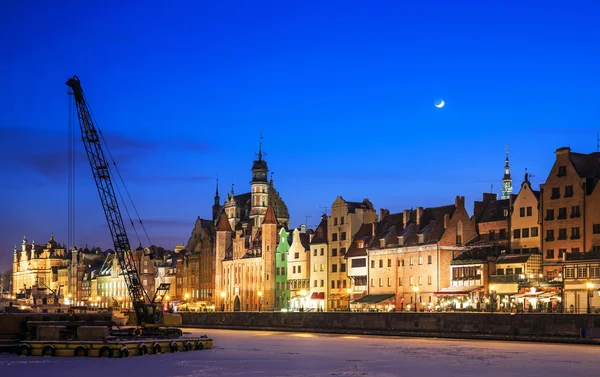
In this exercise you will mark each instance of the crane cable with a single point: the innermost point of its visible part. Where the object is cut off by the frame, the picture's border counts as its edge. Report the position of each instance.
(71, 174)
(124, 186)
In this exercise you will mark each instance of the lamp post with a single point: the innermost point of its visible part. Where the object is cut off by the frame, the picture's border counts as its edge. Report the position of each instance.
(187, 297)
(589, 287)
(302, 294)
(223, 295)
(98, 299)
(349, 293)
(493, 297)
(416, 290)
(259, 299)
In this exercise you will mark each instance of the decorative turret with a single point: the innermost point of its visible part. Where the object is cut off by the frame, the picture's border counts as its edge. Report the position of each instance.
(507, 180)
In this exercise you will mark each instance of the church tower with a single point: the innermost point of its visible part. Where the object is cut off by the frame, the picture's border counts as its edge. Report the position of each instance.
(222, 243)
(216, 208)
(506, 181)
(260, 188)
(269, 246)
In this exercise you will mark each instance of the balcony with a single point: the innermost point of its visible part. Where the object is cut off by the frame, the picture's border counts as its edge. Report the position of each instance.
(505, 278)
(548, 239)
(575, 237)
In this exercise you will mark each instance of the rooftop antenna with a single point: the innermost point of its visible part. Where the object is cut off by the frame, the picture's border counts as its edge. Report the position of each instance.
(492, 189)
(306, 220)
(325, 210)
(598, 142)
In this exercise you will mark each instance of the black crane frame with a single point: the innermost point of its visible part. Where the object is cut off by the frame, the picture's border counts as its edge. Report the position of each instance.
(147, 311)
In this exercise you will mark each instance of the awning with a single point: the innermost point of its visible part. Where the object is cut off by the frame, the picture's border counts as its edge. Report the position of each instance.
(318, 296)
(373, 299)
(458, 290)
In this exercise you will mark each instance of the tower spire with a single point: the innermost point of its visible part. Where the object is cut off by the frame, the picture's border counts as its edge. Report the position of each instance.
(217, 190)
(260, 148)
(507, 180)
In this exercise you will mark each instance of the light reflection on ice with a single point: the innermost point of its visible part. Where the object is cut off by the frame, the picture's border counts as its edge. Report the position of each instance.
(286, 354)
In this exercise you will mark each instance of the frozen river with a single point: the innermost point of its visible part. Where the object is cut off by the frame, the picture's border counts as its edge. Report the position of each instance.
(265, 353)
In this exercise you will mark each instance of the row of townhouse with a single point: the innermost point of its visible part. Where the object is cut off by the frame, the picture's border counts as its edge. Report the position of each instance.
(524, 249)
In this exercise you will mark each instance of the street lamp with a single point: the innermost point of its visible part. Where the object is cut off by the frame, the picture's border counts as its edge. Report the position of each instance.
(302, 293)
(416, 290)
(259, 299)
(349, 292)
(493, 295)
(223, 294)
(187, 297)
(589, 287)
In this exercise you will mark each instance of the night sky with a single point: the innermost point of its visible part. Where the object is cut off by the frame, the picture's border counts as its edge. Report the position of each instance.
(342, 92)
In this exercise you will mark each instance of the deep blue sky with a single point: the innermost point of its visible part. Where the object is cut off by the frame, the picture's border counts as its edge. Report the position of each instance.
(343, 93)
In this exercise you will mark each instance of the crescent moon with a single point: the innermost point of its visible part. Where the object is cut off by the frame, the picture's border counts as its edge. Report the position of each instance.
(439, 105)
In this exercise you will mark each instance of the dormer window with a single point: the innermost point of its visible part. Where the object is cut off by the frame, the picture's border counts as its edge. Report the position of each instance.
(382, 242)
(421, 238)
(360, 244)
(400, 240)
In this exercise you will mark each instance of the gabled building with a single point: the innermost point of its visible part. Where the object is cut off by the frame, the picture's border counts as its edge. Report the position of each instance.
(410, 260)
(199, 265)
(343, 223)
(320, 262)
(37, 265)
(298, 269)
(245, 264)
(525, 221)
(570, 199)
(282, 288)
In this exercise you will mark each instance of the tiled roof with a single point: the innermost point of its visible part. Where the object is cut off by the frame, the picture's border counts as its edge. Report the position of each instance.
(512, 258)
(224, 224)
(495, 209)
(270, 217)
(305, 240)
(321, 232)
(364, 234)
(586, 165)
(365, 204)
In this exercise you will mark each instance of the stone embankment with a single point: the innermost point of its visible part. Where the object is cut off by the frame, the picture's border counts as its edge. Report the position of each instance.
(562, 328)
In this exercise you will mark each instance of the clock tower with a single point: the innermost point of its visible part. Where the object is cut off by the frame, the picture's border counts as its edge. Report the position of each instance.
(507, 180)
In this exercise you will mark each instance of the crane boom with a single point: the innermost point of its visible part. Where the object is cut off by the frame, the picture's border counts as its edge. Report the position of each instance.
(147, 311)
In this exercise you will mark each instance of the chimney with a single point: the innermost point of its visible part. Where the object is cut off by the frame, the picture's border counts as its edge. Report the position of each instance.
(303, 228)
(406, 217)
(459, 202)
(446, 219)
(419, 215)
(372, 229)
(563, 150)
(383, 213)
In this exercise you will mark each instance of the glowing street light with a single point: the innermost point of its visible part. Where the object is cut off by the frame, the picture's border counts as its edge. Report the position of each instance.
(349, 292)
(303, 294)
(223, 298)
(259, 299)
(589, 287)
(416, 290)
(187, 297)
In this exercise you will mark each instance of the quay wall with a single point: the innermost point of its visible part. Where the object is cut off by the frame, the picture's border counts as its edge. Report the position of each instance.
(499, 326)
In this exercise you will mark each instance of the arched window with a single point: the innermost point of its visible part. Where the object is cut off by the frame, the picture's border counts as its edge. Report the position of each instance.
(459, 233)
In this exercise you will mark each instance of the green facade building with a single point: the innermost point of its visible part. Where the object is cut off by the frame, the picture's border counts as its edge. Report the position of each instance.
(282, 292)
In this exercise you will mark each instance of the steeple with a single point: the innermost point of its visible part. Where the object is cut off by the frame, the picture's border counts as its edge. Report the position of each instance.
(507, 180)
(260, 148)
(217, 205)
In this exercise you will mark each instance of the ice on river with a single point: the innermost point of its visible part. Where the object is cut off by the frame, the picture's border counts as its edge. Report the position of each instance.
(264, 353)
